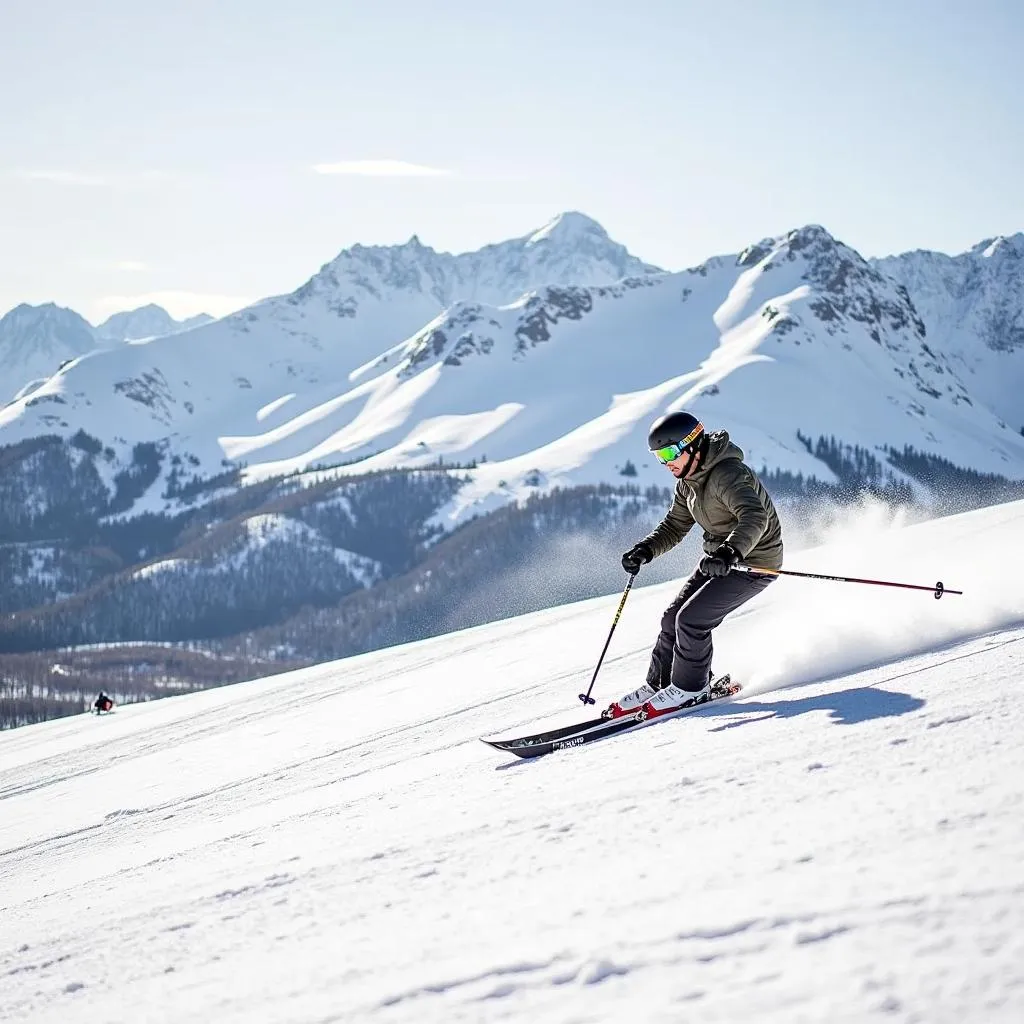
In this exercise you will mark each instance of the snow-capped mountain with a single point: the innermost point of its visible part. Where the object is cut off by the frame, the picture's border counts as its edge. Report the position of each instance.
(973, 307)
(571, 249)
(150, 321)
(294, 352)
(547, 356)
(34, 341)
(795, 334)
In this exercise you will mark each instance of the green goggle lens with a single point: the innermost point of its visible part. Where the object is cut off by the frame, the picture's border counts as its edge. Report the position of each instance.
(670, 452)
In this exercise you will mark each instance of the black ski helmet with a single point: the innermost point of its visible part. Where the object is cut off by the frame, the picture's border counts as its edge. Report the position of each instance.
(678, 428)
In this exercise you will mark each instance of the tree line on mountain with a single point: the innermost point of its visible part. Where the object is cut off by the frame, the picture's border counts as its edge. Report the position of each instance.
(555, 547)
(219, 579)
(220, 585)
(958, 488)
(60, 536)
(859, 471)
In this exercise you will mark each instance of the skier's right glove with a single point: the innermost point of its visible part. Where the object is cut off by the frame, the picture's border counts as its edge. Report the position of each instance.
(637, 555)
(720, 561)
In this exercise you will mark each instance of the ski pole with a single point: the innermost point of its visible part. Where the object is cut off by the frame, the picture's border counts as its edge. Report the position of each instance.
(938, 590)
(585, 697)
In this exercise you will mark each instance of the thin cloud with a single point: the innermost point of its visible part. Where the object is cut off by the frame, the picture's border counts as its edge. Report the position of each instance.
(131, 266)
(64, 177)
(179, 304)
(382, 169)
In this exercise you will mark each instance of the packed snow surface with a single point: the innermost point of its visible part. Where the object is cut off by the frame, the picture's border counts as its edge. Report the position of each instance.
(844, 842)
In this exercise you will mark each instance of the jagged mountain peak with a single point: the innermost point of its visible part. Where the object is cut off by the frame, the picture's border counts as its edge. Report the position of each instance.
(25, 313)
(1000, 245)
(844, 283)
(568, 228)
(414, 247)
(975, 296)
(35, 325)
(996, 246)
(830, 263)
(36, 340)
(811, 241)
(810, 235)
(822, 249)
(572, 248)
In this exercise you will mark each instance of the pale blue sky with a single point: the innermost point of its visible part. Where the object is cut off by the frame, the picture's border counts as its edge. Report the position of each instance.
(168, 149)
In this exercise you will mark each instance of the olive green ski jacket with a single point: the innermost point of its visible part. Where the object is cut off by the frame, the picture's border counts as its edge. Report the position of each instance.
(728, 501)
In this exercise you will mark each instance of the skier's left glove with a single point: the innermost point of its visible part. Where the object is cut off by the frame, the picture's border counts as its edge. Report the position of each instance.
(638, 555)
(720, 561)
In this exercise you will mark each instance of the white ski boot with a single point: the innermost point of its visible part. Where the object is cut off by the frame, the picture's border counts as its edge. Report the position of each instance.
(672, 698)
(630, 704)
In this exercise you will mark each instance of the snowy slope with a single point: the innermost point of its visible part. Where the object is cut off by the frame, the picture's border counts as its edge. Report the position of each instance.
(34, 341)
(844, 842)
(973, 307)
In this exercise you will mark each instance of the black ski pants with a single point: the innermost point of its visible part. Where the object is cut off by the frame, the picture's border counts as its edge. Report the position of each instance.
(682, 652)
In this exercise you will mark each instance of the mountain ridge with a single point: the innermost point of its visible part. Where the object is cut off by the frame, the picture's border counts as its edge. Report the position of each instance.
(975, 296)
(342, 372)
(148, 321)
(38, 341)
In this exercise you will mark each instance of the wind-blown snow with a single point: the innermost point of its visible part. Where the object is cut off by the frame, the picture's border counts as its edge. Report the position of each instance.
(843, 842)
(272, 407)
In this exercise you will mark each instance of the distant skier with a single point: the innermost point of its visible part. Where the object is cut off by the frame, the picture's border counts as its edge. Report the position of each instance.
(102, 703)
(717, 491)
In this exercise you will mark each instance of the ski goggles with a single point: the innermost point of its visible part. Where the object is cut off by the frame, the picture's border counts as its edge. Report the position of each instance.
(671, 452)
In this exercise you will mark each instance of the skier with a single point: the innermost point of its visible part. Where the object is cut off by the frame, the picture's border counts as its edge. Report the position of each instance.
(103, 703)
(717, 491)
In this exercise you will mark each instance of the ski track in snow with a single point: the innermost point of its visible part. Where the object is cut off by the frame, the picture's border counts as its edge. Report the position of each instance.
(336, 845)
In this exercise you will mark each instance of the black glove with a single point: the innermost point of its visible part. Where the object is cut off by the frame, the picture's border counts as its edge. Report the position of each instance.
(637, 555)
(720, 561)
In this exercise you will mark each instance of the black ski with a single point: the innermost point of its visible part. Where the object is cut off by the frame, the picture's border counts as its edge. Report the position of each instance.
(536, 746)
(551, 736)
(569, 736)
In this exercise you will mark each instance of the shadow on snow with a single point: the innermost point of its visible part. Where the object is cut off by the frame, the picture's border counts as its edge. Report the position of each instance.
(845, 707)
